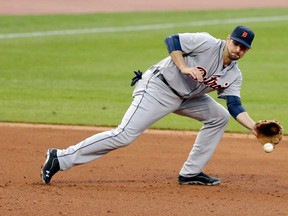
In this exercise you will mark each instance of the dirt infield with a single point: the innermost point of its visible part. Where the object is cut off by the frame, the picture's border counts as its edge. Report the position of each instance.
(27, 7)
(142, 178)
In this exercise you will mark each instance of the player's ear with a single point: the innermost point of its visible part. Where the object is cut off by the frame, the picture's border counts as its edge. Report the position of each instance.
(228, 37)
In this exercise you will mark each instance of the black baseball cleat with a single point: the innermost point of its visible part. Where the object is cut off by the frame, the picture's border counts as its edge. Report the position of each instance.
(50, 166)
(200, 179)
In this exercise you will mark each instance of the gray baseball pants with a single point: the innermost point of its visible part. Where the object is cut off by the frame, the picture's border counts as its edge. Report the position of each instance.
(152, 100)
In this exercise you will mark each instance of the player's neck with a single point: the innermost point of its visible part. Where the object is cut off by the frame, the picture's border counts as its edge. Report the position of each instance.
(226, 61)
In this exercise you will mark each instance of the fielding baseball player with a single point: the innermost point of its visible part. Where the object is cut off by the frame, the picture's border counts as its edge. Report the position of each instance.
(197, 64)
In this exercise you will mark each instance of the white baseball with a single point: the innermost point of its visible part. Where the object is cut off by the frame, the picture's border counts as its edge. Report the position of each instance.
(268, 147)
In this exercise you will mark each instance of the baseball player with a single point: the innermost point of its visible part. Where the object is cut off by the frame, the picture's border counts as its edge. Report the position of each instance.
(198, 63)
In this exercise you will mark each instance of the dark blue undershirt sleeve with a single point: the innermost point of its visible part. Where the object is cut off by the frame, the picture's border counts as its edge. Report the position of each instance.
(173, 43)
(234, 105)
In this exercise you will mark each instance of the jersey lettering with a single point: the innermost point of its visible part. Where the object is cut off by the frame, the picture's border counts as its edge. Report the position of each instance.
(213, 81)
(203, 70)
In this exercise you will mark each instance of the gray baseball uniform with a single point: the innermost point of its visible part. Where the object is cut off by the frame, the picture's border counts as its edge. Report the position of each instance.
(163, 89)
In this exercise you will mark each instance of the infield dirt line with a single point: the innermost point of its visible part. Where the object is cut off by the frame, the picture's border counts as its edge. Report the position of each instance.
(28, 7)
(97, 128)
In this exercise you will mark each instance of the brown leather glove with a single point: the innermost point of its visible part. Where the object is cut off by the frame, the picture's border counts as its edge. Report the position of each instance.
(269, 131)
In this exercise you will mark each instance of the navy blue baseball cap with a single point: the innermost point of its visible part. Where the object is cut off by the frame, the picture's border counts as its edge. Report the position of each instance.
(243, 35)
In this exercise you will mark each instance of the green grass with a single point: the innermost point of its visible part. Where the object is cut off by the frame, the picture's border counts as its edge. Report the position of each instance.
(84, 79)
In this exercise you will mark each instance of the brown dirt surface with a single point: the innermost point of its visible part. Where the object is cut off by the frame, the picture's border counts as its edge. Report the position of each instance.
(27, 7)
(140, 179)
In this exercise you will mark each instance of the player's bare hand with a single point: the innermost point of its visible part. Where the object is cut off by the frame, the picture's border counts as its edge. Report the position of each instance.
(194, 73)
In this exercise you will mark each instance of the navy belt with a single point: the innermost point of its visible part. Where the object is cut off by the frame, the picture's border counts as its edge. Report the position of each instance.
(161, 77)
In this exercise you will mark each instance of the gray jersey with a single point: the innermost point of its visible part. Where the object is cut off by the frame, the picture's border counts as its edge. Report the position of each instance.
(203, 51)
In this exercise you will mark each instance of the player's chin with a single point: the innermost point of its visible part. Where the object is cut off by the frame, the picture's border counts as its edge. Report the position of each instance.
(234, 57)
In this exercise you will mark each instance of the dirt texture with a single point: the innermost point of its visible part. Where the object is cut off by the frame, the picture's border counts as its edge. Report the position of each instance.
(27, 7)
(140, 179)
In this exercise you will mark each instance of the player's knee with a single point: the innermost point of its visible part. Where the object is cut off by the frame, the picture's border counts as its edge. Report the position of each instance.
(123, 137)
(221, 116)
(225, 116)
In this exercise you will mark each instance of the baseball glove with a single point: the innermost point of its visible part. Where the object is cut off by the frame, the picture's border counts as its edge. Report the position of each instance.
(269, 131)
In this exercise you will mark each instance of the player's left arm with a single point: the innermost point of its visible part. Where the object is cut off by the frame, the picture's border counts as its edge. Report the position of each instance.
(239, 113)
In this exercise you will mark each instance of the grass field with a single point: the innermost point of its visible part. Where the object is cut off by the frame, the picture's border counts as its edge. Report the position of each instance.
(76, 69)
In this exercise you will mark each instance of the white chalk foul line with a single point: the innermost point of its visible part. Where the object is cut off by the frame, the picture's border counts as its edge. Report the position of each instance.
(143, 27)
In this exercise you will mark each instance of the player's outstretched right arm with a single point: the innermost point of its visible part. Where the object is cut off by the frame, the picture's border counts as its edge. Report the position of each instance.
(238, 112)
